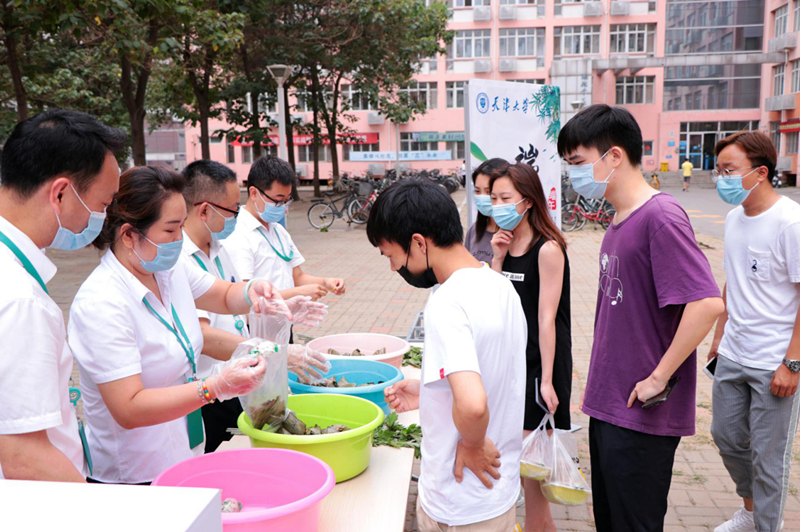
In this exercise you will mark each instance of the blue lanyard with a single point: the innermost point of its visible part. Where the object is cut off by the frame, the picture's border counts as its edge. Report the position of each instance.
(187, 347)
(24, 260)
(283, 255)
(237, 321)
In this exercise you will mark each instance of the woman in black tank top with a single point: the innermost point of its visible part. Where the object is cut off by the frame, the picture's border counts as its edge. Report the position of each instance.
(531, 252)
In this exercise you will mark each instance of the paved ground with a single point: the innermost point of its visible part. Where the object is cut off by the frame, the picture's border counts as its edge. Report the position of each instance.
(378, 300)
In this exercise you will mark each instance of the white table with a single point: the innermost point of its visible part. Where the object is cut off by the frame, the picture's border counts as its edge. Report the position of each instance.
(67, 506)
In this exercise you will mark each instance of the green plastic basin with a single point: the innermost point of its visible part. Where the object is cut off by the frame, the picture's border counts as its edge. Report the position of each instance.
(346, 452)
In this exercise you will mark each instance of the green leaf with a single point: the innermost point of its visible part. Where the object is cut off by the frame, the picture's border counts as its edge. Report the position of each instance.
(476, 152)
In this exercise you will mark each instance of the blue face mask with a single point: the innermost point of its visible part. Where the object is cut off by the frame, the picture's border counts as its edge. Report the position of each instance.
(731, 189)
(506, 215)
(66, 240)
(166, 257)
(582, 178)
(230, 225)
(272, 213)
(484, 204)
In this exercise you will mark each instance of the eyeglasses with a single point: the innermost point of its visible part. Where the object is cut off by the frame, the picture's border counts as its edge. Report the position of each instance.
(716, 175)
(273, 200)
(234, 213)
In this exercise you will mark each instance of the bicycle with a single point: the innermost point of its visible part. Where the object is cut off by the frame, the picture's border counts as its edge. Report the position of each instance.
(358, 209)
(654, 182)
(574, 215)
(324, 211)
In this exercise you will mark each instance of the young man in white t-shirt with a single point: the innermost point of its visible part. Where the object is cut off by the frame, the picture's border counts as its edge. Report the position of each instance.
(472, 394)
(260, 247)
(757, 340)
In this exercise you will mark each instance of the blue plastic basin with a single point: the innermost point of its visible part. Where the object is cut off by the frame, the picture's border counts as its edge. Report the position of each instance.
(358, 372)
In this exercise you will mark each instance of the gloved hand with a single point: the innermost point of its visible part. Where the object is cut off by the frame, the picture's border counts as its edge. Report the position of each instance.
(238, 376)
(306, 312)
(307, 364)
(272, 305)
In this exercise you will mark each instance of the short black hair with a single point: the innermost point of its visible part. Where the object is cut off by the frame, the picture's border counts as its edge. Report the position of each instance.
(414, 206)
(205, 181)
(268, 169)
(602, 127)
(57, 143)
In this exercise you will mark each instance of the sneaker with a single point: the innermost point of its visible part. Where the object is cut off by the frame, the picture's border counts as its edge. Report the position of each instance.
(742, 521)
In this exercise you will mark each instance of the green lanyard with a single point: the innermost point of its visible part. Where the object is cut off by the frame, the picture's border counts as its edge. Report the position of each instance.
(194, 420)
(187, 347)
(237, 321)
(283, 255)
(24, 260)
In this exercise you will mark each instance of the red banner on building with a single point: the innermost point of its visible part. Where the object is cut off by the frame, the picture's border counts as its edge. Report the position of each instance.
(307, 140)
(790, 126)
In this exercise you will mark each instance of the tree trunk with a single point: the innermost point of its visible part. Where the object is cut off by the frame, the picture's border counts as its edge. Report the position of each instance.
(289, 129)
(315, 131)
(10, 42)
(201, 92)
(138, 147)
(256, 126)
(205, 143)
(133, 94)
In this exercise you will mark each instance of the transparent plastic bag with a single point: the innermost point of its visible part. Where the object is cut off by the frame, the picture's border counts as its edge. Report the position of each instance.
(269, 337)
(535, 460)
(567, 485)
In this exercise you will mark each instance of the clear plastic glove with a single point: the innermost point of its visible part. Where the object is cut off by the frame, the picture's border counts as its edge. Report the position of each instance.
(307, 364)
(271, 307)
(306, 312)
(238, 376)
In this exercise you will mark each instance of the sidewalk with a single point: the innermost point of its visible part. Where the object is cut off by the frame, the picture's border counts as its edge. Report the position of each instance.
(378, 300)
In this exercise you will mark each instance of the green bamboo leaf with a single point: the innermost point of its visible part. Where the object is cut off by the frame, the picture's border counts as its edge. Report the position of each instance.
(476, 152)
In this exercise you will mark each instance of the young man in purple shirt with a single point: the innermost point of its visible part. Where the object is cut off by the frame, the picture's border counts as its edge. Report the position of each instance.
(657, 299)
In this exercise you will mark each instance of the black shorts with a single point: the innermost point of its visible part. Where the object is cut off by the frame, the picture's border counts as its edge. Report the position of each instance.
(218, 418)
(562, 383)
(687, 179)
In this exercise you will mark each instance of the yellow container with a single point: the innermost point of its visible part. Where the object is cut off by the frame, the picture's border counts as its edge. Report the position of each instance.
(564, 495)
(534, 471)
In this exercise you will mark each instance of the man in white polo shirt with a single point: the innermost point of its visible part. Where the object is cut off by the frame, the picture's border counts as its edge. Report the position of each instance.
(58, 173)
(260, 247)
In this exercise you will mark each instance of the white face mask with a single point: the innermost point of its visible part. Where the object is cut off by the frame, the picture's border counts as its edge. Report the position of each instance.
(582, 178)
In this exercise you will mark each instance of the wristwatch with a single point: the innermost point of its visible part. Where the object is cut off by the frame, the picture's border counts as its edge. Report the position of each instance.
(793, 365)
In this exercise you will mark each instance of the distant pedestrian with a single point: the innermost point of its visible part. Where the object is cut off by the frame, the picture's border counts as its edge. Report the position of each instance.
(687, 167)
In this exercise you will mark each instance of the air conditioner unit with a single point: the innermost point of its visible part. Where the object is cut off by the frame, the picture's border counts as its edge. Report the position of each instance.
(508, 13)
(301, 170)
(480, 14)
(620, 8)
(375, 119)
(507, 65)
(783, 43)
(377, 169)
(403, 167)
(785, 102)
(482, 66)
(784, 164)
(593, 9)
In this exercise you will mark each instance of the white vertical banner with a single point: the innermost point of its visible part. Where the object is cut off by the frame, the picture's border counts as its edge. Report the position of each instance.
(518, 122)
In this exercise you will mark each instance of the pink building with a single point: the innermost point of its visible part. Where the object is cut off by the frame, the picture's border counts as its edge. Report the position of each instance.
(690, 71)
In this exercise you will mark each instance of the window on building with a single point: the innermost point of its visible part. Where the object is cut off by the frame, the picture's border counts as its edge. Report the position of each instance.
(796, 75)
(266, 104)
(738, 86)
(635, 90)
(540, 4)
(633, 38)
(729, 26)
(778, 77)
(796, 16)
(781, 20)
(422, 91)
(231, 152)
(775, 134)
(647, 148)
(347, 149)
(213, 139)
(457, 152)
(792, 140)
(455, 94)
(467, 3)
(469, 44)
(407, 143)
(522, 42)
(577, 40)
(305, 153)
(531, 81)
(272, 149)
(247, 154)
(357, 100)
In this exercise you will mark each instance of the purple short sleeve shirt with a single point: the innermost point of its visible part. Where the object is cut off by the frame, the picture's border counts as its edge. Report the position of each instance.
(650, 268)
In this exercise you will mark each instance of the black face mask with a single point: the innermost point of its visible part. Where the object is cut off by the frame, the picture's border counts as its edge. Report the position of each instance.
(426, 279)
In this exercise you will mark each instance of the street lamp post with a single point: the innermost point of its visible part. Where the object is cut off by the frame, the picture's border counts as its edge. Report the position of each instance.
(281, 73)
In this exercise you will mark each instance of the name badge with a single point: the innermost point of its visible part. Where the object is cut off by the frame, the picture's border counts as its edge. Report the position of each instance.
(519, 277)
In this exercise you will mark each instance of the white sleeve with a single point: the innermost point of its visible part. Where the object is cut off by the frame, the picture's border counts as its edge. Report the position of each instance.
(449, 342)
(789, 243)
(241, 255)
(29, 354)
(200, 281)
(103, 340)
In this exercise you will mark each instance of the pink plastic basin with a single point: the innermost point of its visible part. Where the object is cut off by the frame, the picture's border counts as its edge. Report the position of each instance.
(366, 343)
(280, 490)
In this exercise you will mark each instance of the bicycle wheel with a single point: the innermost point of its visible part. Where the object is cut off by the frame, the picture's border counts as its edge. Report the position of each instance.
(606, 215)
(572, 219)
(320, 215)
(358, 210)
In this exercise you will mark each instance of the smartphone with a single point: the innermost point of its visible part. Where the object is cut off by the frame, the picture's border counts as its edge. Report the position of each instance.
(663, 396)
(711, 368)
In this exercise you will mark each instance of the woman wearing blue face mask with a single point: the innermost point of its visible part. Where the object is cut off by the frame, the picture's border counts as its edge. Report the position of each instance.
(531, 252)
(479, 237)
(134, 332)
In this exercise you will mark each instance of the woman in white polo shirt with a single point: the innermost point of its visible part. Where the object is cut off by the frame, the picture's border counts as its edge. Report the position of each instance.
(134, 332)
